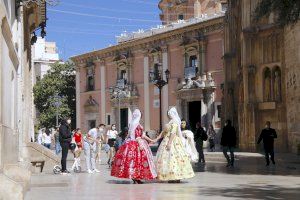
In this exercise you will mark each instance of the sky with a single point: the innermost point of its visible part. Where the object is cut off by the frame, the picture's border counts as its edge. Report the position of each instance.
(80, 26)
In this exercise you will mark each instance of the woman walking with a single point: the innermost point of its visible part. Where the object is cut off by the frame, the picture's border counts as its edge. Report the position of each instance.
(134, 159)
(79, 143)
(211, 137)
(110, 140)
(173, 163)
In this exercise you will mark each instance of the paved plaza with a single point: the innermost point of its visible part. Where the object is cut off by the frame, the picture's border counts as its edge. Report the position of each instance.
(250, 179)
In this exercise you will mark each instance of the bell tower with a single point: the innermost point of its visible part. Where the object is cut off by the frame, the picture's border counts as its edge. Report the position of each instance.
(174, 10)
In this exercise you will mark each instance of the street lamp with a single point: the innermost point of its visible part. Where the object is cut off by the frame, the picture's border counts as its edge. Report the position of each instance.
(57, 104)
(118, 92)
(159, 82)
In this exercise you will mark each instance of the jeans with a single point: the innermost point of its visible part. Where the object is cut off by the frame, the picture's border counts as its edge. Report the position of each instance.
(47, 145)
(268, 153)
(90, 152)
(64, 155)
(231, 150)
(57, 148)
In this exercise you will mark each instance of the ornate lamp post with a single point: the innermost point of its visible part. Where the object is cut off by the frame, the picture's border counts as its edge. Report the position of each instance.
(159, 82)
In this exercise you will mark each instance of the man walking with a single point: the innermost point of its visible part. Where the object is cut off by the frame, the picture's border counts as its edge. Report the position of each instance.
(268, 135)
(91, 147)
(228, 142)
(200, 136)
(65, 138)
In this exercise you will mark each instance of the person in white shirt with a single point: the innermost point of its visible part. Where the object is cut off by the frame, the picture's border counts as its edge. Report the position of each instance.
(47, 139)
(111, 137)
(40, 137)
(91, 144)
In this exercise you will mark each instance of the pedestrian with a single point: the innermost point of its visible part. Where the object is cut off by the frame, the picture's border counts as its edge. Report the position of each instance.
(211, 133)
(56, 141)
(200, 137)
(40, 137)
(101, 140)
(228, 142)
(134, 159)
(121, 138)
(91, 148)
(189, 142)
(47, 139)
(268, 135)
(78, 139)
(173, 162)
(65, 138)
(111, 137)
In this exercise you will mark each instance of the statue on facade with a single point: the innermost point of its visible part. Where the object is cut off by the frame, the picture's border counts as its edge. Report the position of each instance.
(267, 87)
(277, 86)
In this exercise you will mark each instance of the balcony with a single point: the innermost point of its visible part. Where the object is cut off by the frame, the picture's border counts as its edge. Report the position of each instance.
(123, 90)
(190, 72)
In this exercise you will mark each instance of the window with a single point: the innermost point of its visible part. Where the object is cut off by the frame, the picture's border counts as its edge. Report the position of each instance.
(90, 82)
(219, 111)
(91, 124)
(180, 17)
(193, 61)
(108, 120)
(276, 79)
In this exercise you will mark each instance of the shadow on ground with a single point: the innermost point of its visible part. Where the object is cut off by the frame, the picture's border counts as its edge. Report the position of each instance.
(250, 165)
(267, 192)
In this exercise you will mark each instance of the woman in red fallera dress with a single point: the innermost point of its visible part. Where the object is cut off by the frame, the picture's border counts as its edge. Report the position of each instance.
(134, 159)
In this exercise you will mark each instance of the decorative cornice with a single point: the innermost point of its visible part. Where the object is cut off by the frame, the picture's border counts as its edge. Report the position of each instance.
(203, 27)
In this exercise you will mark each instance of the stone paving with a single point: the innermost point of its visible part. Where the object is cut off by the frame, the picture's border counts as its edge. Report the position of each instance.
(249, 179)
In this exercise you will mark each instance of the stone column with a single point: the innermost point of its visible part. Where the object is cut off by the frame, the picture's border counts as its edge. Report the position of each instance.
(203, 110)
(165, 91)
(146, 93)
(78, 113)
(1, 96)
(103, 91)
(202, 57)
(209, 101)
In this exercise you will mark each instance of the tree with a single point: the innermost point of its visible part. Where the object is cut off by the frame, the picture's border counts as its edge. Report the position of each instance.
(59, 81)
(287, 11)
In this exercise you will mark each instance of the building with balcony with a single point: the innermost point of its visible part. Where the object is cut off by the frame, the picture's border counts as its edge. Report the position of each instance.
(112, 82)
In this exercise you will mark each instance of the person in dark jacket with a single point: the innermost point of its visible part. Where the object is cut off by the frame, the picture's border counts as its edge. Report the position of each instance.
(65, 138)
(199, 137)
(267, 136)
(228, 142)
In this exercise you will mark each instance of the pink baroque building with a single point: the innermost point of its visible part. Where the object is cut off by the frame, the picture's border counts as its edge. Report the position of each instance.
(112, 82)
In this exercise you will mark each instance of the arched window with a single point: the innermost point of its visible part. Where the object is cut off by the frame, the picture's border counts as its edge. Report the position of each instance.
(267, 84)
(277, 83)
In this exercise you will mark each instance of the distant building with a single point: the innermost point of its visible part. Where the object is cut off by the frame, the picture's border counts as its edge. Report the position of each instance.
(189, 43)
(44, 54)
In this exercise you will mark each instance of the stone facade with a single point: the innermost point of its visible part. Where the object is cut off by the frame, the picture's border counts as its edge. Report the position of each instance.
(292, 84)
(16, 125)
(256, 61)
(111, 82)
